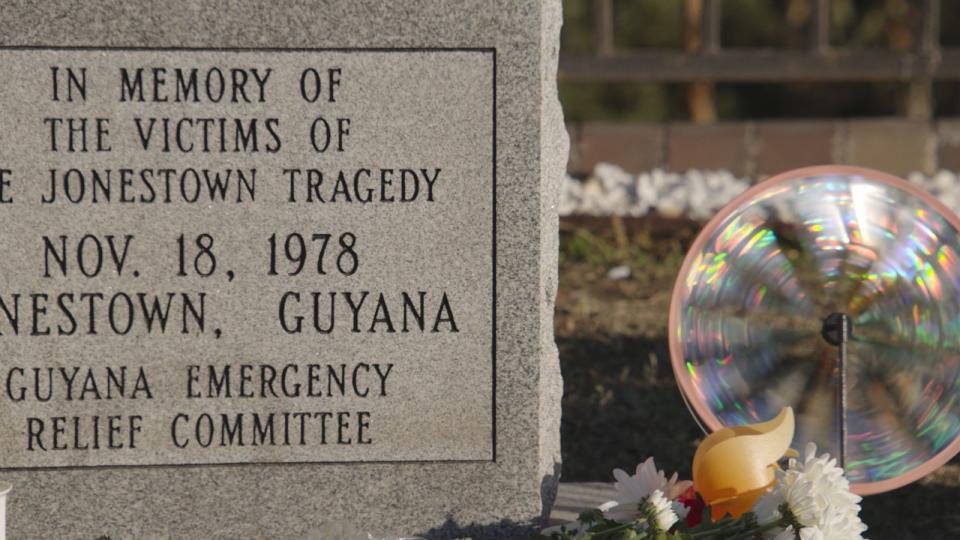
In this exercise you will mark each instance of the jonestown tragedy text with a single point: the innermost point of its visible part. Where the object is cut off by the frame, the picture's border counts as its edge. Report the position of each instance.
(241, 256)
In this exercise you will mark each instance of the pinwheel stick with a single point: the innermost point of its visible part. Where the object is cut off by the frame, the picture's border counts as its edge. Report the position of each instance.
(837, 330)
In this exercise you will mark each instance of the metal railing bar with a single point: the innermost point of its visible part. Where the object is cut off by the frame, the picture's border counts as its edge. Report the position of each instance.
(603, 43)
(820, 26)
(759, 65)
(710, 26)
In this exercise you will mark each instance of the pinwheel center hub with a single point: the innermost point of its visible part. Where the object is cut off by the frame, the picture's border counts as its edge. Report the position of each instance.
(837, 328)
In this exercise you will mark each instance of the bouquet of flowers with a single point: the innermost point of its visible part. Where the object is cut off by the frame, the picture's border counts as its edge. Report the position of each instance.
(738, 492)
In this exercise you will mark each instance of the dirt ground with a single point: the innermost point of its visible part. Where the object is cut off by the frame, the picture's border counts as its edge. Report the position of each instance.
(621, 403)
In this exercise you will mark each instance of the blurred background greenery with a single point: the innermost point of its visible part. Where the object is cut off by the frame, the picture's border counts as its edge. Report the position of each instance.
(621, 402)
(783, 24)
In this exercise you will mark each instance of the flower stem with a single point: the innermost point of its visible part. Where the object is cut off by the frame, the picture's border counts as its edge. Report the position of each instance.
(619, 528)
(759, 530)
(735, 530)
(710, 532)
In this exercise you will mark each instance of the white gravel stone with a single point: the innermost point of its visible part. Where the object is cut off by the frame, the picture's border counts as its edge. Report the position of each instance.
(619, 273)
(697, 194)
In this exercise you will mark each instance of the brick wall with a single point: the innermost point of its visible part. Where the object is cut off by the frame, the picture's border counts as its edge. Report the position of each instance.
(759, 149)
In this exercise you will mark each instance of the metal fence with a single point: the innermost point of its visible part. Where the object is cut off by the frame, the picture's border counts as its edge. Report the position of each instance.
(919, 67)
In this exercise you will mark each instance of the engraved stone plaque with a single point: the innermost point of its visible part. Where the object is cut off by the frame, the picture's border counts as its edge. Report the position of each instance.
(275, 270)
(223, 256)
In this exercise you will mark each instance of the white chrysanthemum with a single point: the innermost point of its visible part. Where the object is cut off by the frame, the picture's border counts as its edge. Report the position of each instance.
(806, 533)
(818, 496)
(665, 516)
(782, 534)
(632, 491)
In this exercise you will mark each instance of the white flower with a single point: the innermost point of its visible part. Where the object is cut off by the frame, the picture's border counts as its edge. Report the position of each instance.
(806, 533)
(632, 491)
(817, 495)
(782, 534)
(665, 516)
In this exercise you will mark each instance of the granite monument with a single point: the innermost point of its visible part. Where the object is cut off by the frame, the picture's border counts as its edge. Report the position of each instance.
(279, 270)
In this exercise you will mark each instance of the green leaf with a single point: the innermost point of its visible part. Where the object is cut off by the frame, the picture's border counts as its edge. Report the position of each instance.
(628, 534)
(594, 515)
(707, 514)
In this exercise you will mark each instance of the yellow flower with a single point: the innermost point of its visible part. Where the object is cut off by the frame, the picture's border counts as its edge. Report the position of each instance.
(734, 466)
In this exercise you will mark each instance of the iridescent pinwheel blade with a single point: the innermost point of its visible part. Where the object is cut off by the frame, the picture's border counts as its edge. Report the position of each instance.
(750, 302)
